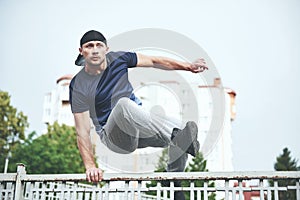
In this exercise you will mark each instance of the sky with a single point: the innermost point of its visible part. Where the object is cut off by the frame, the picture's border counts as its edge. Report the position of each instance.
(254, 44)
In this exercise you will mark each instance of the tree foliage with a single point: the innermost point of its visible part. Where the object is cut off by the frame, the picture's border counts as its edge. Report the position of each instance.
(161, 166)
(12, 126)
(55, 152)
(162, 161)
(284, 162)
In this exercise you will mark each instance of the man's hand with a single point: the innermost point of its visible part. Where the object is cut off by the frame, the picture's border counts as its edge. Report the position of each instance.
(199, 66)
(94, 174)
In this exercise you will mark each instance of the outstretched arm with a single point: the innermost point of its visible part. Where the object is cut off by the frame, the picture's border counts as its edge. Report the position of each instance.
(170, 64)
(83, 127)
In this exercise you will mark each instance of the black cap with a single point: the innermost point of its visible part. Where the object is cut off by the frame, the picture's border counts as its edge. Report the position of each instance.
(92, 36)
(80, 61)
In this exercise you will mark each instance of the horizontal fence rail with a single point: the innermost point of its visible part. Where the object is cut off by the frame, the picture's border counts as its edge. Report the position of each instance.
(195, 185)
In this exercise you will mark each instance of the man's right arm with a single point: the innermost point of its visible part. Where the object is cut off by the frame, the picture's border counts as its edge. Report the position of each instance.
(170, 64)
(83, 127)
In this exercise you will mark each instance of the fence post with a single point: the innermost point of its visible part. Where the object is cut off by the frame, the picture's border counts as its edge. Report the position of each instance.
(19, 187)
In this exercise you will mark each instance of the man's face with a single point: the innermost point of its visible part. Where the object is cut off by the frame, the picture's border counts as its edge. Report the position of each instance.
(94, 52)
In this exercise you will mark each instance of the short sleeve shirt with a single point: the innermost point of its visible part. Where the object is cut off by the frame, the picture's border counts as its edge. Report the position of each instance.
(98, 94)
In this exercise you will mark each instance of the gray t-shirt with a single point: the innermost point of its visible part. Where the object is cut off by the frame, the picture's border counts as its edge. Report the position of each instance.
(98, 94)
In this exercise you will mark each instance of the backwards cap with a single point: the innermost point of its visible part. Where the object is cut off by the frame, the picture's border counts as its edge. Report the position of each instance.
(92, 35)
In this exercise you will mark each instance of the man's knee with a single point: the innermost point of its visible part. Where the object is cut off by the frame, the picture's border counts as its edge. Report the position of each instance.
(120, 107)
(123, 107)
(123, 102)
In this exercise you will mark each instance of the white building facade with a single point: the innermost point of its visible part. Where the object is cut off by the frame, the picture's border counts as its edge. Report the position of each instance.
(56, 103)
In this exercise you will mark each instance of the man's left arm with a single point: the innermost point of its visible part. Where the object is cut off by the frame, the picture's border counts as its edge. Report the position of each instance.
(170, 64)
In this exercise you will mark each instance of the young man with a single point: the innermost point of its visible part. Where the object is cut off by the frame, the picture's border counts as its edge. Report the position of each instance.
(102, 92)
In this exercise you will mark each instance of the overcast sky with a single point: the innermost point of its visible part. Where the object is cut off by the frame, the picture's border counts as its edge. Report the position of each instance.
(254, 44)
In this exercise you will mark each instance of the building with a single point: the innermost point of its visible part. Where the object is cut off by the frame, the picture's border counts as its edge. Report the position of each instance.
(217, 148)
(56, 103)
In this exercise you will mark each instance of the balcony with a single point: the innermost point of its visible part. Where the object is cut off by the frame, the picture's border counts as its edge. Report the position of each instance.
(226, 185)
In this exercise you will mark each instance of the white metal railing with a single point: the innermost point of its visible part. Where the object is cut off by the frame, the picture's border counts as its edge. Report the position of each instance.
(227, 185)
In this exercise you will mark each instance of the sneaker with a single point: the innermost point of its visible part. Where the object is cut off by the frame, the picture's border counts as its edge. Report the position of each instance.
(186, 139)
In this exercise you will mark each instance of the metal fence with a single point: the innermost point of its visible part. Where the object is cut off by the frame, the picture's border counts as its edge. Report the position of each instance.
(200, 185)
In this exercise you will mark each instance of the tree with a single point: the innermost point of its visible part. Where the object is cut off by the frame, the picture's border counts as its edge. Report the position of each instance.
(198, 164)
(284, 162)
(12, 126)
(160, 167)
(54, 152)
(162, 161)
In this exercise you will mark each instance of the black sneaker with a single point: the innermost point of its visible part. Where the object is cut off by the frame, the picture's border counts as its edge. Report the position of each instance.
(186, 139)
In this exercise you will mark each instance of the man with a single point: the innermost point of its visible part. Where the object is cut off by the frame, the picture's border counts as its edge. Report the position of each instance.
(101, 91)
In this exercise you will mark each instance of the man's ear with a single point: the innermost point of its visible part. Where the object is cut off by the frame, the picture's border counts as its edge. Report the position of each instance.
(107, 48)
(80, 50)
